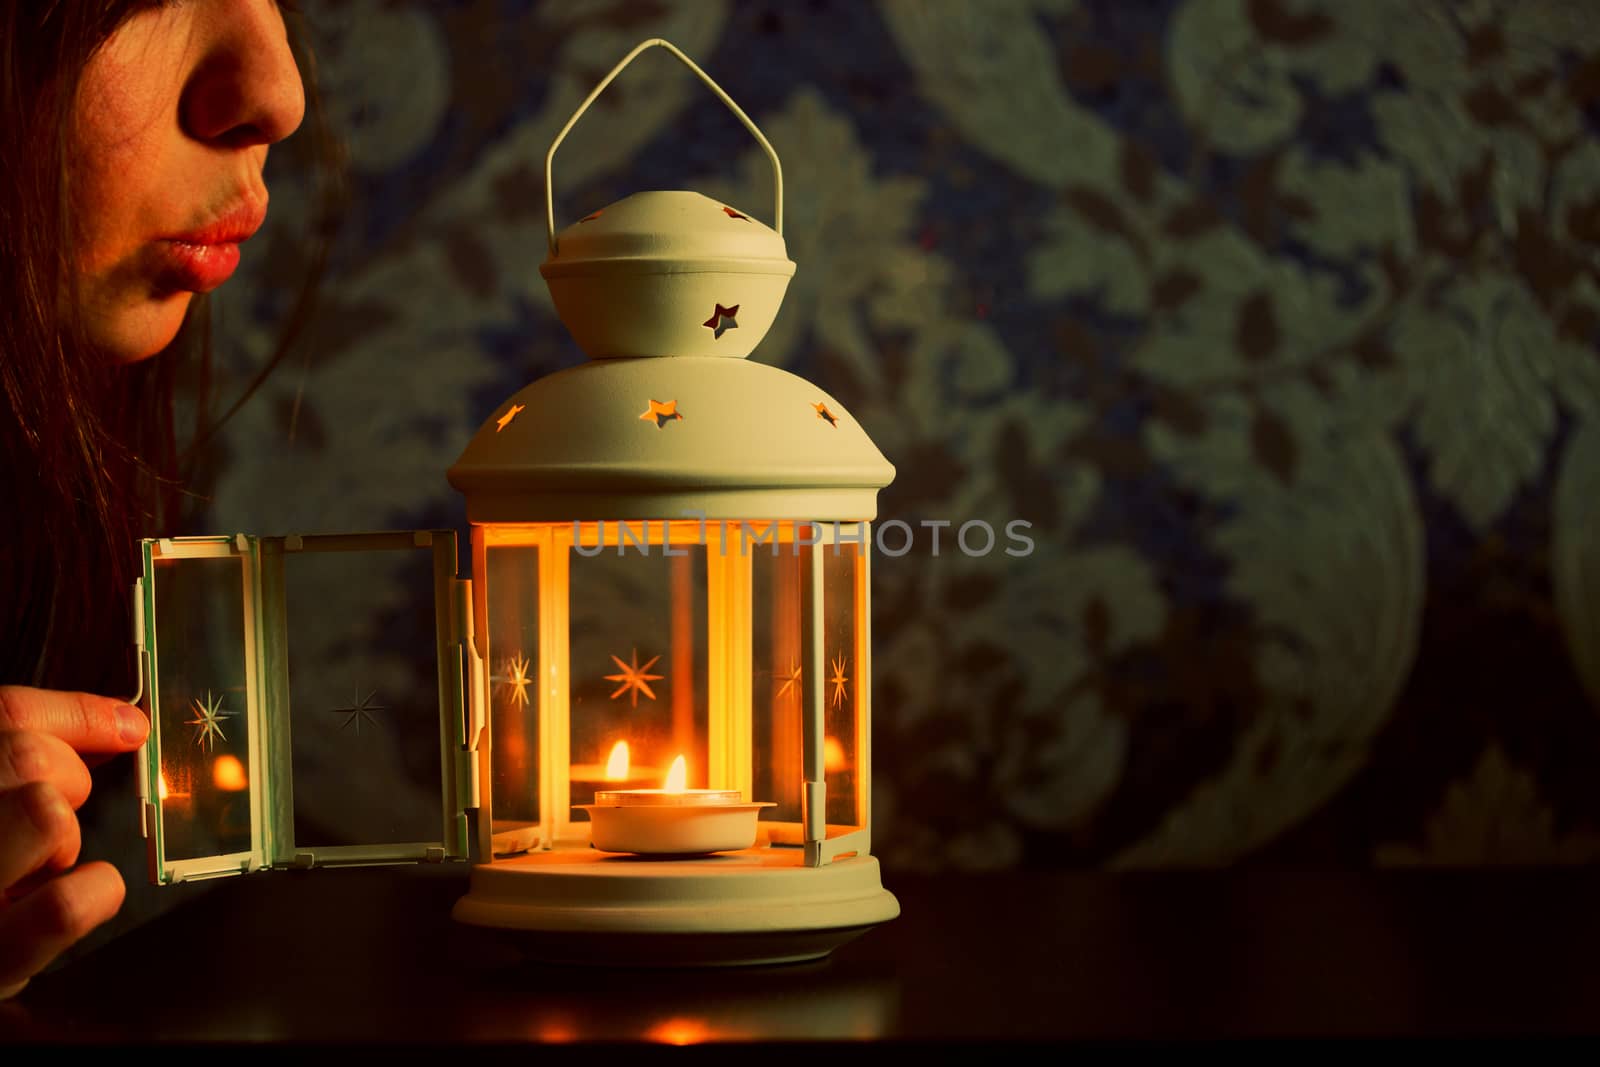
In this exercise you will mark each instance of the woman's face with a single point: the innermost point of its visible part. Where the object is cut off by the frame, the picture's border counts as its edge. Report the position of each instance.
(172, 123)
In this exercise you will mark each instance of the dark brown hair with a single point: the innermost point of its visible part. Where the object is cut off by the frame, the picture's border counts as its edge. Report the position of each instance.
(90, 449)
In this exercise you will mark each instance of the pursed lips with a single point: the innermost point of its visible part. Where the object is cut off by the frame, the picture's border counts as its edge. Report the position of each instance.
(234, 226)
(201, 259)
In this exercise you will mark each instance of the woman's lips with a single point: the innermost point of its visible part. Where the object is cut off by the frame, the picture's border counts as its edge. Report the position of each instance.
(196, 268)
(203, 258)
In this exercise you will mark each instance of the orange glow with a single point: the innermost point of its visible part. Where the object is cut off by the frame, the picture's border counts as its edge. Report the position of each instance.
(557, 1030)
(163, 787)
(228, 774)
(505, 420)
(617, 764)
(833, 759)
(677, 777)
(678, 1031)
(661, 412)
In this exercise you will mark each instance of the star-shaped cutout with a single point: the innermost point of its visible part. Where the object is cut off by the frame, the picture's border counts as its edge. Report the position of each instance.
(634, 677)
(505, 420)
(825, 415)
(721, 321)
(208, 721)
(839, 680)
(791, 681)
(732, 214)
(662, 411)
(517, 678)
(362, 708)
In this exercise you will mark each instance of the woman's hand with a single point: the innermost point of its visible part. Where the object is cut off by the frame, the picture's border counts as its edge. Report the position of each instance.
(47, 902)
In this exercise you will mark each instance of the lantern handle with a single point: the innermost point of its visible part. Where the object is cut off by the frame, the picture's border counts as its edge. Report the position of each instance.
(657, 42)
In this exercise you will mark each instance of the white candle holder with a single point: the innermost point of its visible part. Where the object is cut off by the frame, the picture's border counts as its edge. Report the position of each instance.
(654, 822)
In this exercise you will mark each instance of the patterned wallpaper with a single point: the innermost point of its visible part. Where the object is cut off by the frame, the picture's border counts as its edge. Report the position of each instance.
(1276, 318)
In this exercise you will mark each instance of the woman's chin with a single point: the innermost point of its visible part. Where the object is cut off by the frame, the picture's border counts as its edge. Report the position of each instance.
(137, 333)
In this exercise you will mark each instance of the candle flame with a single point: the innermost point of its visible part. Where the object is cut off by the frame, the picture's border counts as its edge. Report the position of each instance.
(617, 764)
(833, 758)
(228, 774)
(677, 777)
(163, 787)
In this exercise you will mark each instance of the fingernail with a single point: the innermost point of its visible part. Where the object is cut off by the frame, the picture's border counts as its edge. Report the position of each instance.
(131, 725)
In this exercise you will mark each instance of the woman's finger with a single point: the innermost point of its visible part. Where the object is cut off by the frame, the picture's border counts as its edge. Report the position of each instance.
(34, 757)
(37, 830)
(40, 926)
(87, 722)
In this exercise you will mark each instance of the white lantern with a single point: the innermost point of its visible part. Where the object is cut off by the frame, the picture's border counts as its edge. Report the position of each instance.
(655, 691)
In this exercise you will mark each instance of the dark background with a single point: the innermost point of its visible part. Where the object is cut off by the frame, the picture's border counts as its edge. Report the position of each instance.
(1277, 320)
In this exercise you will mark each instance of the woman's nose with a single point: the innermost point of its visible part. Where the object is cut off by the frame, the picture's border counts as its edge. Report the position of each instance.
(245, 87)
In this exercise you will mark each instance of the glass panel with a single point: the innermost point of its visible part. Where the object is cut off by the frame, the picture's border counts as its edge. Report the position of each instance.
(776, 690)
(364, 693)
(638, 660)
(200, 695)
(843, 684)
(512, 597)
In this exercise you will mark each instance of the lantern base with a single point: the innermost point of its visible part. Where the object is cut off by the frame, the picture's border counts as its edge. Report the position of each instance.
(578, 906)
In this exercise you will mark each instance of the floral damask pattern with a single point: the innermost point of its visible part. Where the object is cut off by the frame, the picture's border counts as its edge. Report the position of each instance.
(1277, 319)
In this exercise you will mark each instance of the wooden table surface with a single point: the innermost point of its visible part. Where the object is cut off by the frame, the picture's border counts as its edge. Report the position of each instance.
(372, 955)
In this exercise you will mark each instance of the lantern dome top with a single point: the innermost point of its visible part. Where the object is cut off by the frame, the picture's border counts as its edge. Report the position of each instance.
(670, 439)
(667, 273)
(667, 232)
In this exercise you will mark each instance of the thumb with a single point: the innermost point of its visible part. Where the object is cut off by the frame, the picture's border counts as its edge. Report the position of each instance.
(87, 722)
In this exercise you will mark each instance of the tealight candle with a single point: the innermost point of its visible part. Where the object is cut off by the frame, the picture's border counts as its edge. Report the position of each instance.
(672, 820)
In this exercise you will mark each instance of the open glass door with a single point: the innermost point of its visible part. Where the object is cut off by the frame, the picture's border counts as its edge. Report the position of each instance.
(304, 714)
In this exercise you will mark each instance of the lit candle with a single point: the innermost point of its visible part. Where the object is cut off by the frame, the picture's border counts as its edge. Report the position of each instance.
(672, 820)
(618, 772)
(834, 760)
(227, 774)
(170, 800)
(177, 814)
(617, 762)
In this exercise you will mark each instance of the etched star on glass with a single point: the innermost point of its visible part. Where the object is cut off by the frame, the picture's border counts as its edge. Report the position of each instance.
(839, 681)
(361, 708)
(791, 680)
(516, 678)
(208, 721)
(634, 678)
